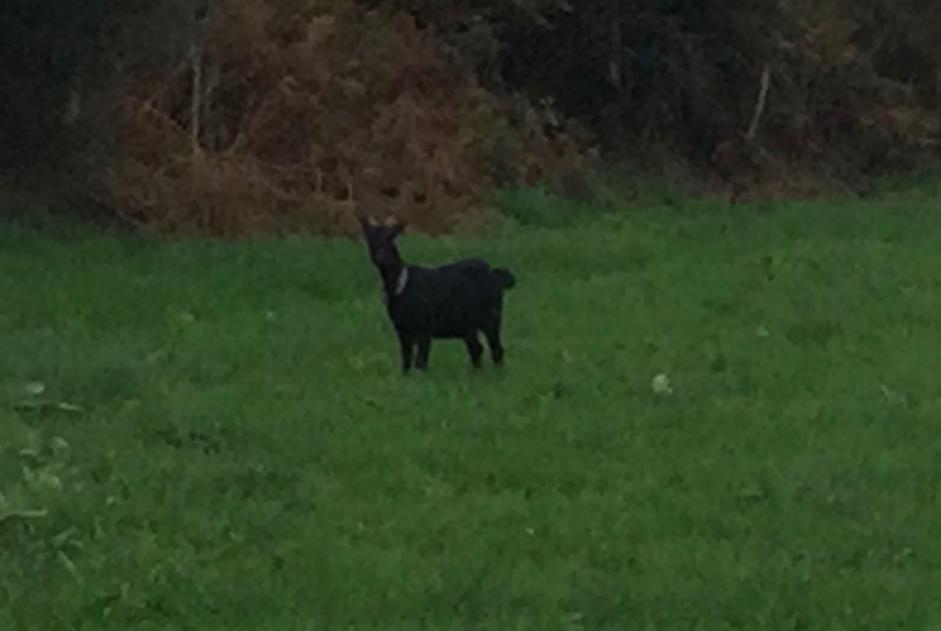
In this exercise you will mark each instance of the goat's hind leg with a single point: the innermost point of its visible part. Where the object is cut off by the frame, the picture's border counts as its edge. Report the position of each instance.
(474, 348)
(492, 333)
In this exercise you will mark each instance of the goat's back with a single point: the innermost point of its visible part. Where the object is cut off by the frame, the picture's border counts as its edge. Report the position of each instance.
(471, 278)
(449, 300)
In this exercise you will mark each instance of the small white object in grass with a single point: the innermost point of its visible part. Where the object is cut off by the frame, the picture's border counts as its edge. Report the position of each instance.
(763, 332)
(661, 384)
(35, 388)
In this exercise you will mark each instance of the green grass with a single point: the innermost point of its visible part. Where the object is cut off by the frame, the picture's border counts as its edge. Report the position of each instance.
(238, 450)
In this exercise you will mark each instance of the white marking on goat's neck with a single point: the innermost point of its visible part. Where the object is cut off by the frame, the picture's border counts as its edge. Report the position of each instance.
(401, 281)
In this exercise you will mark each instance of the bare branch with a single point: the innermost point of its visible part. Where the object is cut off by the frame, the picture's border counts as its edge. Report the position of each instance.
(759, 104)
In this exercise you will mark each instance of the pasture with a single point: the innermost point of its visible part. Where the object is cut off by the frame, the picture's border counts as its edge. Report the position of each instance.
(199, 435)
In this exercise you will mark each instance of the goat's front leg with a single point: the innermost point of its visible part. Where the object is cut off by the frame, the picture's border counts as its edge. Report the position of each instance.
(407, 348)
(424, 349)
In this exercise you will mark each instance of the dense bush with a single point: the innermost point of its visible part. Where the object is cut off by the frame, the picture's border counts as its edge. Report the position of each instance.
(308, 110)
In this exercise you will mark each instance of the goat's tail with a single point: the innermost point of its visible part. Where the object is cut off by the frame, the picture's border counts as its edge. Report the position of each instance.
(507, 279)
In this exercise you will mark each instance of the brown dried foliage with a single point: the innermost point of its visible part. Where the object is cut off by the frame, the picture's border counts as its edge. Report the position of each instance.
(313, 110)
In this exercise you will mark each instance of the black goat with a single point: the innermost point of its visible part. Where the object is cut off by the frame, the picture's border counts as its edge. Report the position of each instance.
(454, 301)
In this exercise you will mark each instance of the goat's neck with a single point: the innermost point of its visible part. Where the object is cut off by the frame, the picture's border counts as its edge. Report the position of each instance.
(390, 277)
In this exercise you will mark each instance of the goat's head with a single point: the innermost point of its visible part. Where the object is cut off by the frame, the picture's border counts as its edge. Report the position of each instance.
(380, 239)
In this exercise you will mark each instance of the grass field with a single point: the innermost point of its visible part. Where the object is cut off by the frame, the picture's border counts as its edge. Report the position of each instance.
(216, 436)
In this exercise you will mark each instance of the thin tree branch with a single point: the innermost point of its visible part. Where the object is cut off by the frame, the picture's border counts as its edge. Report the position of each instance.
(759, 105)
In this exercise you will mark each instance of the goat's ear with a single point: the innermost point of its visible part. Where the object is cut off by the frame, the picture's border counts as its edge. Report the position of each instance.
(367, 223)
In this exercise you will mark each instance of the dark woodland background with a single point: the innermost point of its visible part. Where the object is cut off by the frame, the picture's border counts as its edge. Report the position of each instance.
(240, 117)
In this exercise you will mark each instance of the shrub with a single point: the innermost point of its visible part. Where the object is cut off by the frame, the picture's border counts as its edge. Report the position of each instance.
(309, 109)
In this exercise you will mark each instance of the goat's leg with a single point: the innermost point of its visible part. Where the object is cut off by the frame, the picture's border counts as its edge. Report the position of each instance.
(424, 349)
(407, 347)
(474, 348)
(492, 332)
